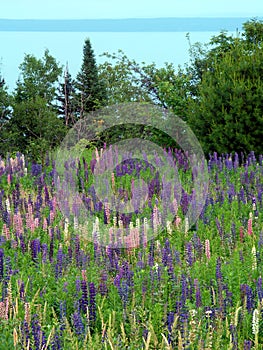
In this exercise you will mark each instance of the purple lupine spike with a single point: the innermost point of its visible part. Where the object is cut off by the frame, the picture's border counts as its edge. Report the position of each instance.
(44, 251)
(70, 255)
(184, 287)
(234, 335)
(84, 296)
(62, 310)
(170, 321)
(189, 254)
(247, 344)
(39, 338)
(51, 247)
(250, 299)
(8, 268)
(36, 169)
(22, 290)
(56, 342)
(140, 263)
(151, 255)
(218, 269)
(198, 298)
(78, 323)
(259, 288)
(35, 249)
(220, 229)
(184, 202)
(103, 289)
(59, 264)
(77, 250)
(78, 285)
(25, 334)
(92, 303)
(183, 322)
(1, 264)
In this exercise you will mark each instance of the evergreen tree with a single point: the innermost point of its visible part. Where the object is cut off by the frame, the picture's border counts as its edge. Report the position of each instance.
(227, 112)
(65, 97)
(91, 92)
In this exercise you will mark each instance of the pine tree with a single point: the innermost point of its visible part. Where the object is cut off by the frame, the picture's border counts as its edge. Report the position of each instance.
(65, 97)
(91, 92)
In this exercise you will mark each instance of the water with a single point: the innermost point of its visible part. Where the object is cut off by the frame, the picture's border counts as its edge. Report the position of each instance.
(158, 47)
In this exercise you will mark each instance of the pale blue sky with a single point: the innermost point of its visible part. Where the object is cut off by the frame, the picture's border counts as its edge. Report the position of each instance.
(126, 9)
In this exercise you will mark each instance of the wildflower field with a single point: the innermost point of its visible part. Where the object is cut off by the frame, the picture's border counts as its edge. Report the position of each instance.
(186, 289)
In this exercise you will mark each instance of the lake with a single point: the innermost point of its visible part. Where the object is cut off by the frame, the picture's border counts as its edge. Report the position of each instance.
(158, 47)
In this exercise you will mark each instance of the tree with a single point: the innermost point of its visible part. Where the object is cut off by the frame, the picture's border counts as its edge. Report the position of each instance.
(91, 92)
(227, 111)
(34, 125)
(35, 128)
(65, 97)
(5, 114)
(129, 81)
(38, 77)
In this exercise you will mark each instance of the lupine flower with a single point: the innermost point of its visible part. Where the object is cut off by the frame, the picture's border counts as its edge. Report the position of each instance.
(27, 313)
(260, 289)
(84, 296)
(207, 249)
(39, 338)
(78, 323)
(189, 254)
(92, 303)
(35, 249)
(25, 334)
(233, 333)
(247, 344)
(1, 264)
(170, 322)
(4, 305)
(249, 225)
(198, 299)
(254, 258)
(255, 322)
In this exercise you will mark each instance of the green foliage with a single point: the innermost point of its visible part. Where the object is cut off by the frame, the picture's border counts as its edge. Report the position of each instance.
(226, 113)
(66, 107)
(35, 127)
(129, 81)
(38, 77)
(91, 92)
(5, 112)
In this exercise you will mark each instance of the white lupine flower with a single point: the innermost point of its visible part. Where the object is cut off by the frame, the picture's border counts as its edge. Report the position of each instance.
(193, 312)
(76, 223)
(186, 225)
(66, 225)
(168, 227)
(255, 322)
(137, 223)
(254, 258)
(7, 203)
(145, 225)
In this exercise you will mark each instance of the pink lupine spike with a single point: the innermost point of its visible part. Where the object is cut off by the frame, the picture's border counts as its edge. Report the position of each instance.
(249, 226)
(207, 249)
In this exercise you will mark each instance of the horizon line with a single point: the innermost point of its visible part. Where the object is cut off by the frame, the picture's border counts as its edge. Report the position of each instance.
(128, 18)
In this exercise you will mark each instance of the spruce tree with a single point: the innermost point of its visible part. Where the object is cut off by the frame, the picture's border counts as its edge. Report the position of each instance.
(91, 92)
(65, 98)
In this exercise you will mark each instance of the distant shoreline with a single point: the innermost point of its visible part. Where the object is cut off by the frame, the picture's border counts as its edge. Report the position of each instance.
(173, 24)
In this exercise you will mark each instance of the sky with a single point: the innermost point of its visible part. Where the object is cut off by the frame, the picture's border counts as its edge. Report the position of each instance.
(77, 9)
